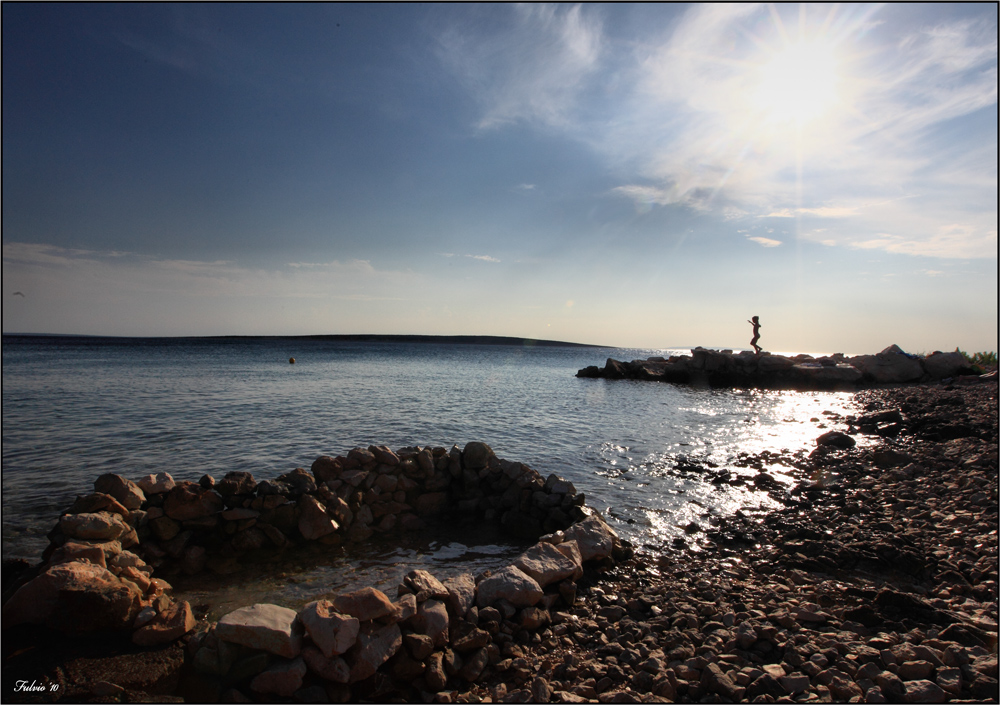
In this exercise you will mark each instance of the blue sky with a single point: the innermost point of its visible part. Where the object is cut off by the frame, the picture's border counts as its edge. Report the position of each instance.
(630, 175)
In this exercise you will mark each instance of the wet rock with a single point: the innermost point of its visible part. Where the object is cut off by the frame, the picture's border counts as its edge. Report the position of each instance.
(836, 439)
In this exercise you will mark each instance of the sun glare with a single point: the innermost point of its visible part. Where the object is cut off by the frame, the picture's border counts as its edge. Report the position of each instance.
(799, 83)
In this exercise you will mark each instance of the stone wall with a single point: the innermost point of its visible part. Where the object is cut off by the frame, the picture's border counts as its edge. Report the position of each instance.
(97, 573)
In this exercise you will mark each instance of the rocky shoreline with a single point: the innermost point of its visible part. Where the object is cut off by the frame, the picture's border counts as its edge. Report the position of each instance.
(723, 369)
(877, 582)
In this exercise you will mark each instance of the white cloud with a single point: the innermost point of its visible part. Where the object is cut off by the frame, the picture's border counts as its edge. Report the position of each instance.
(678, 118)
(530, 69)
(481, 258)
(765, 241)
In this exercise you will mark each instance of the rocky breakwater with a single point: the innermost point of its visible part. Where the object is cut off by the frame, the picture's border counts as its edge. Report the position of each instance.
(723, 368)
(97, 573)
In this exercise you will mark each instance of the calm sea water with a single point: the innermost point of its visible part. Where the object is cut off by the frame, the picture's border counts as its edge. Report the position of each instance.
(75, 408)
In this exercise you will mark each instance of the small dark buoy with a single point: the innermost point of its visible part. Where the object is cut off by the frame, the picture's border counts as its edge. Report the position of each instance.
(291, 361)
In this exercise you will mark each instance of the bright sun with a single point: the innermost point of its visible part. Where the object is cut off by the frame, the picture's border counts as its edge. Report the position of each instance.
(799, 83)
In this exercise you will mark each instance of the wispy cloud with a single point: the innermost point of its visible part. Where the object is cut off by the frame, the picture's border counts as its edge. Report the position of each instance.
(680, 119)
(481, 258)
(764, 241)
(531, 68)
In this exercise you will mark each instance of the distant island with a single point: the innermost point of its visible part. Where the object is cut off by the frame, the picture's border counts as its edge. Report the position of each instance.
(355, 337)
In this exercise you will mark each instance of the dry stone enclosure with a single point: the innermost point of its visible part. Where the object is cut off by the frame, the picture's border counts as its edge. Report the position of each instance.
(98, 571)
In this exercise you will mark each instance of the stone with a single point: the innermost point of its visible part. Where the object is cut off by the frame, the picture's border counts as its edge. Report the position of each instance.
(366, 604)
(420, 646)
(431, 503)
(795, 683)
(74, 551)
(924, 691)
(314, 522)
(325, 468)
(593, 536)
(191, 501)
(299, 480)
(836, 439)
(435, 676)
(915, 670)
(509, 583)
(236, 482)
(547, 564)
(169, 625)
(74, 597)
(714, 680)
(939, 365)
(376, 644)
(461, 594)
(164, 528)
(332, 632)
(473, 665)
(266, 627)
(98, 502)
(281, 679)
(159, 483)
(331, 668)
(950, 680)
(422, 581)
(125, 491)
(476, 455)
(890, 366)
(96, 525)
(432, 619)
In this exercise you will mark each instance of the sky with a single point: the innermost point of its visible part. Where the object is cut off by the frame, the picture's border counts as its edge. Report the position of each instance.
(625, 175)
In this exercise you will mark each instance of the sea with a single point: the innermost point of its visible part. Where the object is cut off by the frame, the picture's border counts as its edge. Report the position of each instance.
(75, 408)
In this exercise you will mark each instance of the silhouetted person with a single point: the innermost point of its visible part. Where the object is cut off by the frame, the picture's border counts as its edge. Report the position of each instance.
(756, 334)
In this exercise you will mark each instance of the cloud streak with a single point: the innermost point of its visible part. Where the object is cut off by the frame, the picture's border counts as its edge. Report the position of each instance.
(684, 121)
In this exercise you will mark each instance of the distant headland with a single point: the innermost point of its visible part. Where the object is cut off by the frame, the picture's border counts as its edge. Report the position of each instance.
(353, 337)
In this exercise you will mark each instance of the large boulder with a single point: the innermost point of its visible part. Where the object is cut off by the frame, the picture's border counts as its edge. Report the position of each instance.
(263, 626)
(509, 583)
(890, 366)
(476, 455)
(594, 537)
(547, 564)
(376, 644)
(431, 619)
(94, 525)
(314, 522)
(160, 483)
(125, 491)
(75, 597)
(364, 604)
(939, 365)
(332, 632)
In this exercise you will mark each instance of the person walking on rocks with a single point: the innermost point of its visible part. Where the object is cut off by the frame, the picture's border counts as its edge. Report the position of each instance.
(756, 333)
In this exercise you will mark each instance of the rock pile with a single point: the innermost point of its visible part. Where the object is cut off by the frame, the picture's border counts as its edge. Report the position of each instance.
(435, 635)
(97, 573)
(802, 372)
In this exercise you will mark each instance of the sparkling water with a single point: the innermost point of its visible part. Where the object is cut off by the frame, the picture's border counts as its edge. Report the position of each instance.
(75, 408)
